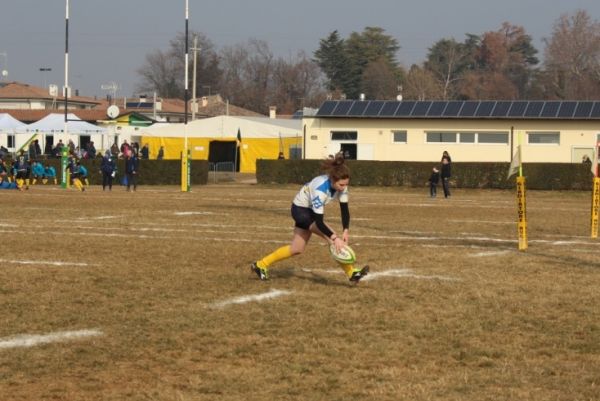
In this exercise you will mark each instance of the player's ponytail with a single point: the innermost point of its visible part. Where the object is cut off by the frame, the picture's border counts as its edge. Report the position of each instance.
(335, 167)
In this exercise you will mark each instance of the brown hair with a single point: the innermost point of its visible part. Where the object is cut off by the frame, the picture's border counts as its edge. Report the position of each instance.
(336, 167)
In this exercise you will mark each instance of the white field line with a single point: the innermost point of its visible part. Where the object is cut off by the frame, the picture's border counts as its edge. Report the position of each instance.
(394, 273)
(490, 253)
(483, 222)
(194, 213)
(31, 340)
(250, 298)
(44, 263)
(8, 225)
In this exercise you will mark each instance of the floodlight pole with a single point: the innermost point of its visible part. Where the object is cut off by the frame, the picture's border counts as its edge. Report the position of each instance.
(66, 95)
(185, 168)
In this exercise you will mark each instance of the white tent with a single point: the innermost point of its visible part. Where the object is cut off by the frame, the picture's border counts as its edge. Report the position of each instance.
(51, 128)
(8, 123)
(227, 127)
(216, 139)
(55, 123)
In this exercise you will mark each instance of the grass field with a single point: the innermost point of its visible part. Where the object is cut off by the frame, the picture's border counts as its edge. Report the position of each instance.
(148, 296)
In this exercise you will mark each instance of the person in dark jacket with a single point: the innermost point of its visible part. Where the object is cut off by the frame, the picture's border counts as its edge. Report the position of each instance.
(131, 170)
(446, 173)
(433, 182)
(108, 168)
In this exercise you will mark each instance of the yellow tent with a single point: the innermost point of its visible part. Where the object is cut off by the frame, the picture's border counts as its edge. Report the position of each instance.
(216, 139)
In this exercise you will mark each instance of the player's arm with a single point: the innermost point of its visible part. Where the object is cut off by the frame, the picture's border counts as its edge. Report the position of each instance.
(330, 235)
(345, 212)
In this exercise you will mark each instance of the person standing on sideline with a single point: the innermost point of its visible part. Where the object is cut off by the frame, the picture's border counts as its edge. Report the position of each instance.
(308, 212)
(131, 170)
(107, 168)
(446, 173)
(433, 182)
(161, 153)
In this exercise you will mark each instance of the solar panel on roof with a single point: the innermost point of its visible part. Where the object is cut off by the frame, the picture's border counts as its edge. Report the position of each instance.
(595, 110)
(583, 109)
(388, 109)
(485, 109)
(550, 109)
(420, 109)
(567, 109)
(342, 108)
(373, 108)
(501, 109)
(468, 109)
(436, 109)
(452, 109)
(405, 108)
(358, 108)
(534, 109)
(517, 109)
(326, 108)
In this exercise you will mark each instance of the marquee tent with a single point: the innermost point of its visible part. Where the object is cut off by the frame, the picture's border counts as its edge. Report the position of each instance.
(8, 125)
(54, 125)
(216, 139)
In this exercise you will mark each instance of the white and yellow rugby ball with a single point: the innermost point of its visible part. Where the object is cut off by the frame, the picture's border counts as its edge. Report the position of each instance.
(345, 256)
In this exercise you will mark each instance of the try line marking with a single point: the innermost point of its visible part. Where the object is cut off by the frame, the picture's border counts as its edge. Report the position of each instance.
(250, 298)
(31, 340)
(42, 262)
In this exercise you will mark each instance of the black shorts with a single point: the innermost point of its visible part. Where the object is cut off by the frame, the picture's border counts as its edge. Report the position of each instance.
(303, 216)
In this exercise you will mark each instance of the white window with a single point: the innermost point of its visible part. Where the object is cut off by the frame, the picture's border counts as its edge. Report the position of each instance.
(466, 137)
(399, 136)
(538, 138)
(344, 135)
(492, 137)
(441, 137)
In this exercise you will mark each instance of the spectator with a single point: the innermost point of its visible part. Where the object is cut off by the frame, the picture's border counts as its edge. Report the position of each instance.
(108, 169)
(446, 173)
(114, 150)
(48, 149)
(4, 176)
(281, 156)
(33, 154)
(145, 152)
(91, 150)
(131, 170)
(161, 153)
(21, 170)
(3, 152)
(433, 182)
(58, 149)
(125, 148)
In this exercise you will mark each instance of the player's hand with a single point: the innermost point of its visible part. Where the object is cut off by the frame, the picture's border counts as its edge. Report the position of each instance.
(339, 244)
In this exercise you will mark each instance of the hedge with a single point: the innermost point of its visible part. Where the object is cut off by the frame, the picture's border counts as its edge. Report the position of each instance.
(545, 176)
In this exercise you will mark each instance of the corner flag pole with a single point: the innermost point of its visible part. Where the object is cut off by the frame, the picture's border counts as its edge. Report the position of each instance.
(522, 209)
(595, 192)
(185, 185)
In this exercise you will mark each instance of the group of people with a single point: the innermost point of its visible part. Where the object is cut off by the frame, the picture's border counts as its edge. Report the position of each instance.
(445, 174)
(21, 173)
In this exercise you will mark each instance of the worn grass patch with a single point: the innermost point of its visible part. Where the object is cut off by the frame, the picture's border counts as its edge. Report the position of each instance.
(452, 310)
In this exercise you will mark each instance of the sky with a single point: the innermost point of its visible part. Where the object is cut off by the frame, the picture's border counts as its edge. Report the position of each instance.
(109, 39)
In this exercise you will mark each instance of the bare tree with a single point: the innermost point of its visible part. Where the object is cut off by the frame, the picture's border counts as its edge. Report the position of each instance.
(572, 57)
(420, 84)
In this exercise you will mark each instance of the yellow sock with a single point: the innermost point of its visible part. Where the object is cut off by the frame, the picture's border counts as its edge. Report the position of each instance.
(19, 182)
(77, 184)
(44, 181)
(33, 181)
(27, 181)
(55, 181)
(280, 254)
(87, 182)
(348, 269)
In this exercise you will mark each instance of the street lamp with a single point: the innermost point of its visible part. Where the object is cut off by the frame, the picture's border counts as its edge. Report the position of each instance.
(42, 71)
(4, 71)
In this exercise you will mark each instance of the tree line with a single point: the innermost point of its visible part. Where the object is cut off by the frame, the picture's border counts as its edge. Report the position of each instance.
(496, 65)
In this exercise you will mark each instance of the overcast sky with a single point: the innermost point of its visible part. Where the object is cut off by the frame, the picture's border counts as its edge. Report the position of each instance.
(109, 39)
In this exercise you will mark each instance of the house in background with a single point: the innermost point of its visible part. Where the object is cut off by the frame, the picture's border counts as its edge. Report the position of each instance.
(475, 131)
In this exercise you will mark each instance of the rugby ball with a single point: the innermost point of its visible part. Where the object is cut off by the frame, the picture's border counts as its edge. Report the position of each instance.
(345, 256)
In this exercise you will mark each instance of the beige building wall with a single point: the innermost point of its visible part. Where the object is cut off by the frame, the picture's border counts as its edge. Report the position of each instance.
(376, 139)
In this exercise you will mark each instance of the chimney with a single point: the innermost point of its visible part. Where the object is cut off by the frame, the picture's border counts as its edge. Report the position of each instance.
(273, 112)
(204, 101)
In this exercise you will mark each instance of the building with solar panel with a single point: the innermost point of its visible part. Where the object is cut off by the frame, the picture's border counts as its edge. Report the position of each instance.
(472, 131)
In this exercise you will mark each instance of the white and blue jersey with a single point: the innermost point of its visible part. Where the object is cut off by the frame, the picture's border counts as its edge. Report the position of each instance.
(319, 192)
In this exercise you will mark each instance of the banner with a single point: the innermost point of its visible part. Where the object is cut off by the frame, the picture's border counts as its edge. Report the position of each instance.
(595, 206)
